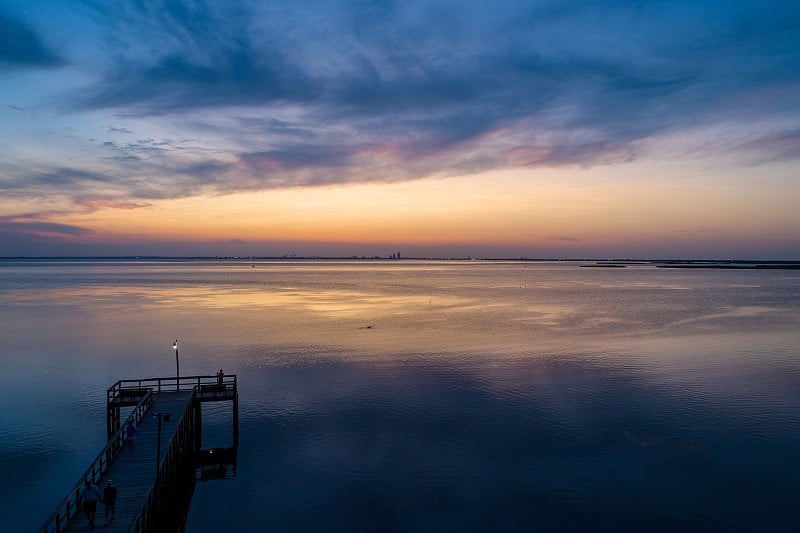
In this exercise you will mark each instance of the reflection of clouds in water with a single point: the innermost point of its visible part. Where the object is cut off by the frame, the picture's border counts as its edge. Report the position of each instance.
(564, 430)
(572, 316)
(350, 304)
(85, 296)
(500, 305)
(731, 313)
(333, 302)
(494, 312)
(627, 284)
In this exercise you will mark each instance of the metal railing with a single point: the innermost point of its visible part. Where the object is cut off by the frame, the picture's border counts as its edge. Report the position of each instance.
(70, 505)
(168, 384)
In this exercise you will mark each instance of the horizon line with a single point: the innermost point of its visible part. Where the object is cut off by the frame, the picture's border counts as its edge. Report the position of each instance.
(291, 257)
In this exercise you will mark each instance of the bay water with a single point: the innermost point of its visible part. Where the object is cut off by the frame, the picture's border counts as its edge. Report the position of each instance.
(422, 395)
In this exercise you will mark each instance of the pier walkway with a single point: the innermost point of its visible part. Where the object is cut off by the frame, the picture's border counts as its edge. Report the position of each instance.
(134, 471)
(154, 483)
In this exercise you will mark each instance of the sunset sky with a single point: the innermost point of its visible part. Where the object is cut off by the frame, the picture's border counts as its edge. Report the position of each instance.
(461, 128)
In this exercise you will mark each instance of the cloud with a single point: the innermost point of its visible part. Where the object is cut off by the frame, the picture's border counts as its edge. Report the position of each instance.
(396, 61)
(207, 59)
(94, 204)
(20, 46)
(14, 226)
(772, 146)
(270, 96)
(67, 177)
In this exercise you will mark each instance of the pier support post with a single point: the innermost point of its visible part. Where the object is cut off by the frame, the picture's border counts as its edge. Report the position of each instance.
(112, 420)
(236, 420)
(198, 425)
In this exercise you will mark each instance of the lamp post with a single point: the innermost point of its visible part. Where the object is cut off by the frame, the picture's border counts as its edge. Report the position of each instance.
(177, 365)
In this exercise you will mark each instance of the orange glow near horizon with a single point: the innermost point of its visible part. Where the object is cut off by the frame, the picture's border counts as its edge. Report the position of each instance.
(516, 207)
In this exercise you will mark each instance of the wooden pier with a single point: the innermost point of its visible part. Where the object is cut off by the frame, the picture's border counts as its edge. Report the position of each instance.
(155, 479)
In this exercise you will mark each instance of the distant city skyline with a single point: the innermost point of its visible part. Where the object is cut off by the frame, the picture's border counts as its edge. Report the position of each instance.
(546, 129)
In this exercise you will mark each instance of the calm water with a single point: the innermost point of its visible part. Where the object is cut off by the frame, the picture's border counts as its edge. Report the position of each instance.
(423, 396)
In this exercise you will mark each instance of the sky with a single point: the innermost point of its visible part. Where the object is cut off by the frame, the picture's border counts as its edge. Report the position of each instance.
(533, 128)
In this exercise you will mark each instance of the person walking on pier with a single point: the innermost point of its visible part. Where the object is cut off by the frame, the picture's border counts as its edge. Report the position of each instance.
(89, 498)
(110, 501)
(130, 431)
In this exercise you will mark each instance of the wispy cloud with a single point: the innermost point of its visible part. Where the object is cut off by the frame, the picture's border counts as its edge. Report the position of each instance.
(772, 146)
(280, 95)
(40, 229)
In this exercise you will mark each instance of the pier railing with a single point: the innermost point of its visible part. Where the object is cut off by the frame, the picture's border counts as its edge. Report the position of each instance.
(70, 505)
(174, 470)
(126, 388)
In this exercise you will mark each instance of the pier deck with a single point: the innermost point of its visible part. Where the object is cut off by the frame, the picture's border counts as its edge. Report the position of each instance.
(133, 471)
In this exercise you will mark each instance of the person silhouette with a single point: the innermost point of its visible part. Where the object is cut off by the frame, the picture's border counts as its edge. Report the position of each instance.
(130, 432)
(89, 498)
(110, 501)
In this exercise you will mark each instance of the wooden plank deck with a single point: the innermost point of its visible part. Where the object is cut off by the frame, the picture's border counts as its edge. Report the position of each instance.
(134, 471)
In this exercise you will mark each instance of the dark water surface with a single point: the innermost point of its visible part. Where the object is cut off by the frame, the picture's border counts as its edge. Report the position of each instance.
(423, 396)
